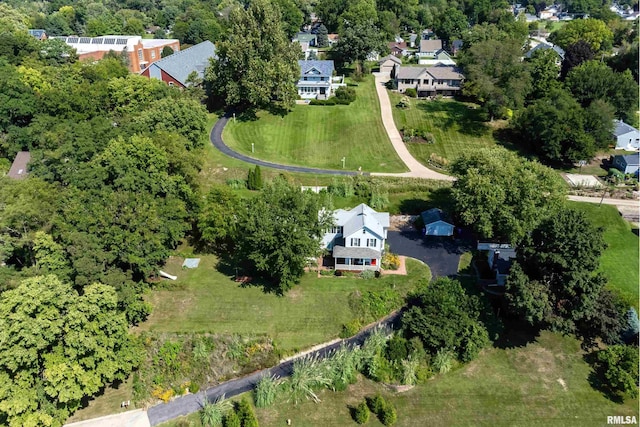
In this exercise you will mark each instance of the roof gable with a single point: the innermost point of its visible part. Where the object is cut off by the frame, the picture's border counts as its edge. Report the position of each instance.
(323, 68)
(362, 217)
(621, 128)
(182, 63)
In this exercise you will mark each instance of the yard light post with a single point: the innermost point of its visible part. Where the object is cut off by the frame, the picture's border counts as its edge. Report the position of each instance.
(252, 147)
(343, 160)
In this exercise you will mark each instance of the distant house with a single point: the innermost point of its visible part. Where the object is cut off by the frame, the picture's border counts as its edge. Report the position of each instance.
(499, 258)
(332, 39)
(388, 64)
(398, 49)
(357, 239)
(629, 164)
(434, 224)
(176, 68)
(429, 81)
(316, 79)
(412, 40)
(18, 168)
(311, 39)
(456, 45)
(429, 48)
(544, 46)
(627, 137)
(440, 58)
(39, 34)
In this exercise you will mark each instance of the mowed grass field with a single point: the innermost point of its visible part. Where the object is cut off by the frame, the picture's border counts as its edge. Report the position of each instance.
(320, 136)
(205, 300)
(544, 383)
(619, 262)
(456, 126)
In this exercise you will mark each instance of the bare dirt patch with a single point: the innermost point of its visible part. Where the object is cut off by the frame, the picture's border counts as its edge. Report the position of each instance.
(401, 222)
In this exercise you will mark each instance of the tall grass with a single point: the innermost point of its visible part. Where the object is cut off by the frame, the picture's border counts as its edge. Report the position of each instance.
(212, 414)
(266, 391)
(309, 375)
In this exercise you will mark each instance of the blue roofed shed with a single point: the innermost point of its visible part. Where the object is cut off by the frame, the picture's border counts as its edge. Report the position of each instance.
(434, 225)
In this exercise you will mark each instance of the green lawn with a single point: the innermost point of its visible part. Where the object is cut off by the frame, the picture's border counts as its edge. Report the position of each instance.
(320, 136)
(619, 262)
(205, 300)
(456, 126)
(544, 383)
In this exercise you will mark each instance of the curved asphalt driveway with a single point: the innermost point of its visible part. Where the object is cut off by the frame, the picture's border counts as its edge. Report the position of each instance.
(441, 254)
(193, 402)
(216, 139)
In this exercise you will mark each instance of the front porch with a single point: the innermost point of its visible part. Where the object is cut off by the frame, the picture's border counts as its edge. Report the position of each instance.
(357, 264)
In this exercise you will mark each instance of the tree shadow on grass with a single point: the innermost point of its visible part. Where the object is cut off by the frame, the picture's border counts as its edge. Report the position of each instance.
(598, 382)
(438, 198)
(517, 333)
(246, 276)
(467, 119)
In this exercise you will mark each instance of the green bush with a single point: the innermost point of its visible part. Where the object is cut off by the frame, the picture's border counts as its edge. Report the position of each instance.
(388, 415)
(361, 413)
(443, 361)
(342, 187)
(376, 403)
(330, 101)
(194, 387)
(266, 391)
(351, 328)
(246, 414)
(345, 93)
(397, 348)
(368, 274)
(411, 92)
(237, 184)
(232, 420)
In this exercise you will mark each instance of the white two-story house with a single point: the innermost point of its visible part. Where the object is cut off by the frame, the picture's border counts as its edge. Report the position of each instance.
(357, 238)
(316, 79)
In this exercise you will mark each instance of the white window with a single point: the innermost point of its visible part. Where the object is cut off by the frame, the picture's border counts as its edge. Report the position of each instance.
(372, 243)
(355, 241)
(140, 57)
(170, 83)
(153, 54)
(336, 230)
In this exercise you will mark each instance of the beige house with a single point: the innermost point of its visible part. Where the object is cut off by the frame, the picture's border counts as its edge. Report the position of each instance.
(388, 63)
(429, 81)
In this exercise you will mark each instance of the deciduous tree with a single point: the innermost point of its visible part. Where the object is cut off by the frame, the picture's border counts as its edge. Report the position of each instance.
(281, 232)
(503, 196)
(593, 31)
(257, 65)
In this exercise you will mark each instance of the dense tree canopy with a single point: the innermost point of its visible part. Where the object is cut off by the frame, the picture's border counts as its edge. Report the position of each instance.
(56, 347)
(501, 195)
(593, 31)
(559, 130)
(280, 232)
(555, 283)
(257, 64)
(444, 317)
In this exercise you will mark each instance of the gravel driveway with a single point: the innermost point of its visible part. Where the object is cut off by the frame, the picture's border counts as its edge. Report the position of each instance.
(441, 254)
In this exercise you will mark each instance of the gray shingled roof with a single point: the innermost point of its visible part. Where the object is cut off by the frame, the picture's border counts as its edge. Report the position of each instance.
(544, 46)
(182, 63)
(622, 128)
(432, 215)
(305, 37)
(325, 67)
(342, 252)
(38, 33)
(392, 58)
(437, 72)
(430, 45)
(631, 159)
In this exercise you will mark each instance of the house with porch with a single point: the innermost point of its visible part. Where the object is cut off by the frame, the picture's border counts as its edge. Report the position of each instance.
(317, 80)
(429, 81)
(356, 240)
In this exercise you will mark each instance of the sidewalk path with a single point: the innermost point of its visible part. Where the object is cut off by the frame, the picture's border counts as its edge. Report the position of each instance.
(417, 169)
(621, 203)
(190, 403)
(136, 418)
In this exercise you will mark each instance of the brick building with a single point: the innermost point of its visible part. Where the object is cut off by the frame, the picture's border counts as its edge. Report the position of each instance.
(141, 52)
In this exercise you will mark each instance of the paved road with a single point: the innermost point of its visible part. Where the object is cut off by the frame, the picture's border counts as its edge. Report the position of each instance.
(441, 254)
(417, 169)
(193, 402)
(621, 203)
(216, 139)
(135, 418)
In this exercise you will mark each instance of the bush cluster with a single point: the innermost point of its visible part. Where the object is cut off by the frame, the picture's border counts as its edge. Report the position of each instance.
(361, 413)
(384, 410)
(411, 92)
(390, 261)
(411, 134)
